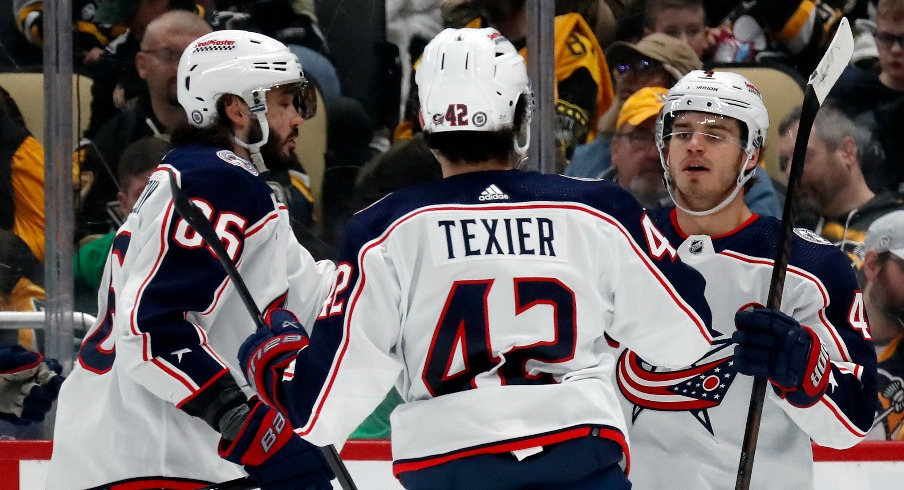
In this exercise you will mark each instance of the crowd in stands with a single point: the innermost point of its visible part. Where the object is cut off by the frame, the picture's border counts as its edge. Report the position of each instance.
(614, 62)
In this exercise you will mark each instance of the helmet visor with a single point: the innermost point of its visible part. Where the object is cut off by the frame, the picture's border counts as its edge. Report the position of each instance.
(305, 99)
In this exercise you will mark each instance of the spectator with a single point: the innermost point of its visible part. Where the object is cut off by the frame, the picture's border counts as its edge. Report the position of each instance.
(796, 32)
(681, 19)
(657, 60)
(886, 123)
(832, 188)
(90, 37)
(882, 274)
(138, 161)
(116, 82)
(21, 178)
(157, 113)
(858, 90)
(635, 157)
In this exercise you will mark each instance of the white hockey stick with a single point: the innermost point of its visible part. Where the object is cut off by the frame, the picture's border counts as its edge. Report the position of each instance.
(820, 83)
(196, 219)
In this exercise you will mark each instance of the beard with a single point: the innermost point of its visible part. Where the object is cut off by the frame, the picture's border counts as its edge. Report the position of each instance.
(273, 152)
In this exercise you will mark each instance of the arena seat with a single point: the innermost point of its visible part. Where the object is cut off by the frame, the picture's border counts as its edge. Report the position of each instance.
(311, 150)
(27, 89)
(783, 89)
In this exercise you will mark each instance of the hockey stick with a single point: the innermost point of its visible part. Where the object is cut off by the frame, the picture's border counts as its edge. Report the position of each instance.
(820, 83)
(196, 219)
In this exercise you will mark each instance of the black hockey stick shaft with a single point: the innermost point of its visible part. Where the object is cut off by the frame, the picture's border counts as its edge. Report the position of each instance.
(821, 81)
(776, 285)
(196, 219)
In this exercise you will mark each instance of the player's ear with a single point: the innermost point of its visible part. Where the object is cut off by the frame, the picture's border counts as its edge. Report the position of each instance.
(236, 110)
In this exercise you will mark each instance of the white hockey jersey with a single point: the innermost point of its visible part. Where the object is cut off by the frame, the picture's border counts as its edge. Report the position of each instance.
(687, 425)
(486, 299)
(170, 322)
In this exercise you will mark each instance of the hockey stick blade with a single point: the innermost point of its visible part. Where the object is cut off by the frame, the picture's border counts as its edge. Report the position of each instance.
(819, 84)
(198, 222)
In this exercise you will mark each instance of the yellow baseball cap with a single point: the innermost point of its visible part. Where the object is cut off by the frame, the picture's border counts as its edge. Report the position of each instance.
(641, 105)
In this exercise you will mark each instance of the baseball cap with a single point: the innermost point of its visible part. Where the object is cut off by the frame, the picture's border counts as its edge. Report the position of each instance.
(641, 105)
(676, 56)
(886, 234)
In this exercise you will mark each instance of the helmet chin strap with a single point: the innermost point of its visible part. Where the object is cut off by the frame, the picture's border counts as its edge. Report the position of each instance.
(742, 179)
(255, 148)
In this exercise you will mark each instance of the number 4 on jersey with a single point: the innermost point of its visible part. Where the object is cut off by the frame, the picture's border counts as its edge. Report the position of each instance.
(656, 241)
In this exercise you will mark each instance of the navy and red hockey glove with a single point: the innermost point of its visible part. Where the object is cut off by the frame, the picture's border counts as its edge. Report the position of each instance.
(28, 385)
(273, 455)
(268, 352)
(771, 344)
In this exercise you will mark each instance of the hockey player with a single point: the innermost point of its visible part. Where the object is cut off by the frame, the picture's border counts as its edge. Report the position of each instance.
(486, 298)
(687, 425)
(157, 368)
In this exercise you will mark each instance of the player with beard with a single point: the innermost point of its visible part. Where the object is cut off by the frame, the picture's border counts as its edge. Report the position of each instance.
(157, 369)
(687, 425)
(882, 273)
(285, 175)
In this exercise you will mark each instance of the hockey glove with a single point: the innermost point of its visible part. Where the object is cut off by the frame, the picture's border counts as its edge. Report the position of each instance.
(273, 455)
(28, 385)
(266, 354)
(771, 344)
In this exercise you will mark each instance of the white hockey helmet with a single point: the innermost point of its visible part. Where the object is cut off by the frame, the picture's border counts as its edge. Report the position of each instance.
(471, 80)
(242, 63)
(722, 93)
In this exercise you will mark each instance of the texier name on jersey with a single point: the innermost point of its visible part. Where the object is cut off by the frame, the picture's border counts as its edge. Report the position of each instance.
(516, 235)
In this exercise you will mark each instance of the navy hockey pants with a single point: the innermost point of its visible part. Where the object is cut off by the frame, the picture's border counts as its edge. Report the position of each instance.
(586, 463)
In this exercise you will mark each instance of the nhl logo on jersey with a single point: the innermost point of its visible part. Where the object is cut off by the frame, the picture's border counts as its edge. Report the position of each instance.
(695, 247)
(479, 119)
(811, 236)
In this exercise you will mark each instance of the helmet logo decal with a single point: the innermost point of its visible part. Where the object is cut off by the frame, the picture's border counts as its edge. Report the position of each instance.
(214, 45)
(457, 115)
(437, 119)
(479, 119)
(196, 116)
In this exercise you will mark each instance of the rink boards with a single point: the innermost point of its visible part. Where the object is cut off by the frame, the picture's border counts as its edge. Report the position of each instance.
(871, 465)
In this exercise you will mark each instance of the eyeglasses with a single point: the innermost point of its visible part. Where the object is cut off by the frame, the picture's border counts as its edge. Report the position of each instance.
(636, 139)
(887, 39)
(165, 55)
(638, 67)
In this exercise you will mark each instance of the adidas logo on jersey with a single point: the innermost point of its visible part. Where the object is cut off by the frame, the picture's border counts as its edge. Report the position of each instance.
(492, 193)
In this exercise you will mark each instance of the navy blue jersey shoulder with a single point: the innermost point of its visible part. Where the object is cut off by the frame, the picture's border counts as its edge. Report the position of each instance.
(223, 179)
(760, 239)
(495, 187)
